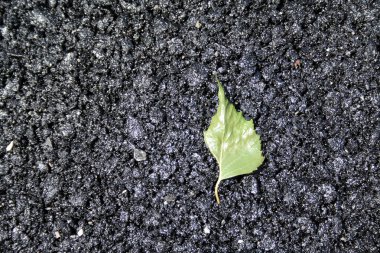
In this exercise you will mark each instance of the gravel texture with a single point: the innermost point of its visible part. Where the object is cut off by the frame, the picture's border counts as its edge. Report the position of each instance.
(86, 83)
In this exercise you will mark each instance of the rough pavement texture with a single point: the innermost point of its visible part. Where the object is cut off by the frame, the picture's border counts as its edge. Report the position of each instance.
(85, 83)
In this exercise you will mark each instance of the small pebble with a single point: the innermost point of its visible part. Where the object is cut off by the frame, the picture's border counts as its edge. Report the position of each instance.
(206, 230)
(139, 155)
(169, 198)
(10, 147)
(48, 144)
(57, 234)
(41, 166)
(198, 25)
(80, 232)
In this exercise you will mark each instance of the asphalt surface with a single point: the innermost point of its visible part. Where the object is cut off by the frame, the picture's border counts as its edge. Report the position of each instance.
(103, 105)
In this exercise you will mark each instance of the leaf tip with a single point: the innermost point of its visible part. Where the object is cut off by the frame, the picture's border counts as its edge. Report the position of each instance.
(221, 95)
(219, 84)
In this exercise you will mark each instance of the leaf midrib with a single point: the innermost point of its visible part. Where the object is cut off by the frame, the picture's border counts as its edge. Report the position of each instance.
(221, 148)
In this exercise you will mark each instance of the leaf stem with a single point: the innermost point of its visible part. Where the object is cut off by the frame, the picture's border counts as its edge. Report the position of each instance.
(216, 191)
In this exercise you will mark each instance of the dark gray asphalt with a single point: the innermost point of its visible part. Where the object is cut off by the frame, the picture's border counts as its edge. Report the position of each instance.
(87, 88)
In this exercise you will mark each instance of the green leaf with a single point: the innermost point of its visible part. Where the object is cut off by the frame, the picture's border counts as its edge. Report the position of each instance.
(233, 141)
